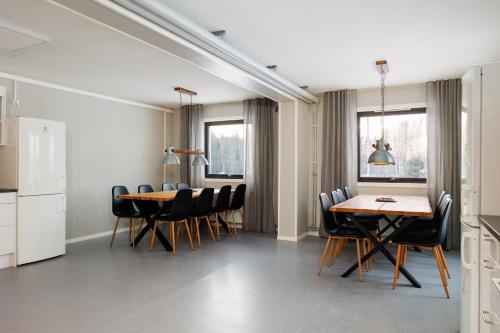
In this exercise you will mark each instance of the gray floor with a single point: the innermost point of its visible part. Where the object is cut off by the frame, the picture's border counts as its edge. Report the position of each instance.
(248, 283)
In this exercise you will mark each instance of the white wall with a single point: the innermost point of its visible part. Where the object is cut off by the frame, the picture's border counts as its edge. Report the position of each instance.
(108, 143)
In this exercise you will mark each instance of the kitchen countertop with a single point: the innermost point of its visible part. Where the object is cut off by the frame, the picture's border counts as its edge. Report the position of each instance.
(7, 190)
(492, 223)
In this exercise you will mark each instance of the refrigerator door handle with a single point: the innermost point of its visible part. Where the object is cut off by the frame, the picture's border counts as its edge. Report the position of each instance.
(63, 204)
(62, 183)
(465, 264)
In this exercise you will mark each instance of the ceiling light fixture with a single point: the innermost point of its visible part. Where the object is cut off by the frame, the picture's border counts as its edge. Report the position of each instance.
(171, 153)
(381, 155)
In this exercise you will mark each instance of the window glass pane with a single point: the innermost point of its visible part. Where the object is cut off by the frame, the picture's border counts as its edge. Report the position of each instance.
(407, 134)
(225, 149)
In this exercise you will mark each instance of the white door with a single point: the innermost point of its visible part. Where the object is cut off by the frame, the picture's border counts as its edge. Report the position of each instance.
(469, 291)
(471, 144)
(41, 227)
(41, 157)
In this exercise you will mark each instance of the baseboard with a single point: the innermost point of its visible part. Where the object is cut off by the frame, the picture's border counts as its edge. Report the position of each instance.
(94, 236)
(313, 233)
(294, 239)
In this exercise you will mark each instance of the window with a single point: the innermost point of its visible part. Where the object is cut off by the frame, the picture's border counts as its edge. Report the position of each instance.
(224, 144)
(406, 131)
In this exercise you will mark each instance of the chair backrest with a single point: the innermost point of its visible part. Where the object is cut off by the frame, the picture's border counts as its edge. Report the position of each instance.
(348, 192)
(167, 187)
(444, 209)
(342, 195)
(440, 197)
(203, 203)
(119, 206)
(183, 186)
(222, 203)
(238, 197)
(148, 206)
(182, 205)
(337, 198)
(329, 223)
(145, 189)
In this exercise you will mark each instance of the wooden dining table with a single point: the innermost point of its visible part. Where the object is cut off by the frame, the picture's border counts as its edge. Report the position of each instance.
(407, 206)
(141, 200)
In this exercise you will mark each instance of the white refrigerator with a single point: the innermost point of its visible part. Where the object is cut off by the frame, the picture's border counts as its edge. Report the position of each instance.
(480, 183)
(34, 162)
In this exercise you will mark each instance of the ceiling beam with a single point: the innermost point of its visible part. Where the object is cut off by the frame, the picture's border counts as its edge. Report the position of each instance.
(158, 25)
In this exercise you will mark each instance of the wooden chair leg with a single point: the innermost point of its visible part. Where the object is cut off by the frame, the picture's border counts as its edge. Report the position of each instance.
(172, 233)
(217, 226)
(152, 243)
(396, 266)
(443, 260)
(330, 257)
(441, 270)
(402, 260)
(243, 225)
(227, 221)
(234, 221)
(360, 266)
(367, 263)
(320, 268)
(130, 230)
(197, 229)
(140, 225)
(336, 252)
(209, 226)
(340, 247)
(133, 233)
(189, 235)
(114, 232)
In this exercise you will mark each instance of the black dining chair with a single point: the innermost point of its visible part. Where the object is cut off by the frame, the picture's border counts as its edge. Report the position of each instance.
(167, 187)
(370, 224)
(334, 226)
(183, 186)
(221, 206)
(236, 204)
(151, 207)
(200, 211)
(178, 214)
(348, 192)
(425, 239)
(123, 209)
(422, 222)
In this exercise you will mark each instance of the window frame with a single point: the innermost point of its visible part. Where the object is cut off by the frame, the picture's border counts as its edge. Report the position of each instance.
(206, 128)
(361, 179)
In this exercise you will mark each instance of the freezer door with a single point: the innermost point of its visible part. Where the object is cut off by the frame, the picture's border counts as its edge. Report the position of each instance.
(471, 144)
(41, 157)
(469, 318)
(41, 227)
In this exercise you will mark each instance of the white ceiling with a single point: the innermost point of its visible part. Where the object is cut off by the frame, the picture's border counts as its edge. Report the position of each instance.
(85, 55)
(333, 44)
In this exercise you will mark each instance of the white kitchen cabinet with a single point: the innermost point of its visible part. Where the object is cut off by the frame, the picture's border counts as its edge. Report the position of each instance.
(489, 283)
(7, 229)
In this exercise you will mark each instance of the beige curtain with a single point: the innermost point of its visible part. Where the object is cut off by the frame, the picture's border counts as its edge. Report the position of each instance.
(191, 119)
(444, 100)
(259, 164)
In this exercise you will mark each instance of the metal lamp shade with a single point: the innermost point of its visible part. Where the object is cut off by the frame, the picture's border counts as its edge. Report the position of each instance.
(381, 156)
(170, 158)
(200, 160)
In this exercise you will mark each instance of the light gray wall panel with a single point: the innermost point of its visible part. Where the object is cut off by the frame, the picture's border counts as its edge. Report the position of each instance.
(108, 143)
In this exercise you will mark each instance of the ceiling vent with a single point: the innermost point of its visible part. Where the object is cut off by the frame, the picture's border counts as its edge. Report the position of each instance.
(14, 37)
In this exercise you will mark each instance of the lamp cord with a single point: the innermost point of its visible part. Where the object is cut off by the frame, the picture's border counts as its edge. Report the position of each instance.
(382, 95)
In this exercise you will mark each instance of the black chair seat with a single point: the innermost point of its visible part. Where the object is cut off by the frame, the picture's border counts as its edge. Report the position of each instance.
(133, 215)
(346, 232)
(422, 238)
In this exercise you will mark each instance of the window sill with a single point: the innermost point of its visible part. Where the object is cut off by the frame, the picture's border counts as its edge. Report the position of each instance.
(396, 185)
(223, 180)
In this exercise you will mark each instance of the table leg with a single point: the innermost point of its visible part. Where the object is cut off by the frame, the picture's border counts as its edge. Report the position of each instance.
(223, 223)
(150, 226)
(390, 223)
(380, 246)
